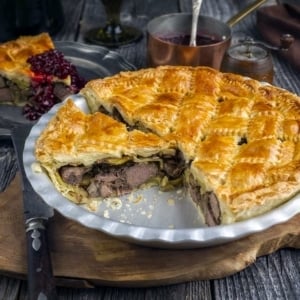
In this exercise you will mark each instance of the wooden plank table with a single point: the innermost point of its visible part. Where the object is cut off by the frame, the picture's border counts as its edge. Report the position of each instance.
(274, 276)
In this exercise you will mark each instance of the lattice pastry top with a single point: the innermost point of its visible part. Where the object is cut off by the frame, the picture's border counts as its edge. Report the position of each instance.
(235, 140)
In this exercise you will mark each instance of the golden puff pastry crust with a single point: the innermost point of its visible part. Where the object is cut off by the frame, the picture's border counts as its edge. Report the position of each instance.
(73, 138)
(237, 139)
(14, 55)
(240, 136)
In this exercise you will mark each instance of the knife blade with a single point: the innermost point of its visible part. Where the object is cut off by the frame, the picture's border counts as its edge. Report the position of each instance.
(41, 283)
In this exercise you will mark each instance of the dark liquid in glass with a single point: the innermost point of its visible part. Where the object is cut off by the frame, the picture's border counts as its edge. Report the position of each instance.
(184, 39)
(112, 7)
(113, 33)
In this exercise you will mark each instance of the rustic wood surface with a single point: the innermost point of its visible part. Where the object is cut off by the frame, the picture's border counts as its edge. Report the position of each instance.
(108, 261)
(273, 276)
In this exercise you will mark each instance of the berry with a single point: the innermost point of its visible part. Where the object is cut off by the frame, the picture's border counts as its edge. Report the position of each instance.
(44, 67)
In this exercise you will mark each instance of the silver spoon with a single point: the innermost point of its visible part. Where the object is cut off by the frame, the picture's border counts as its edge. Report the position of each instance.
(196, 11)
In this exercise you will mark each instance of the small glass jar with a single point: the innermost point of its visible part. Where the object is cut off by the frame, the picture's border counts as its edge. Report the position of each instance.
(249, 59)
(253, 59)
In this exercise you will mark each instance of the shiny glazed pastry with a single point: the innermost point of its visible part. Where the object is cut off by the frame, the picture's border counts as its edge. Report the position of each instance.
(233, 140)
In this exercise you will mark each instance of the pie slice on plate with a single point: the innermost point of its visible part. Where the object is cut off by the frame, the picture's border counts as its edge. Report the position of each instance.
(35, 75)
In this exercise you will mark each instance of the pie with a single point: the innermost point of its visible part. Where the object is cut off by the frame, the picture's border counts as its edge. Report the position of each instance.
(34, 74)
(232, 141)
(14, 55)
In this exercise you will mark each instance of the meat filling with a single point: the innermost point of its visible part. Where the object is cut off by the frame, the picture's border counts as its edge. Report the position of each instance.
(13, 93)
(208, 203)
(73, 175)
(107, 181)
(174, 165)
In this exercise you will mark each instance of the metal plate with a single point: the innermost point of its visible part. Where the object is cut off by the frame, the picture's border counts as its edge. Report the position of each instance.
(148, 217)
(91, 62)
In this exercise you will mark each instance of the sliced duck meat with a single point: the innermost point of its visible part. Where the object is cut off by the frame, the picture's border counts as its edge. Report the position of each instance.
(140, 173)
(121, 180)
(73, 175)
(5, 95)
(61, 91)
(103, 189)
(210, 206)
(207, 201)
(174, 165)
(106, 180)
(107, 177)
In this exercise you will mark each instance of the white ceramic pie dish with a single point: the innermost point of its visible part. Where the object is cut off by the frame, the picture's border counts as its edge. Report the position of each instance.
(148, 217)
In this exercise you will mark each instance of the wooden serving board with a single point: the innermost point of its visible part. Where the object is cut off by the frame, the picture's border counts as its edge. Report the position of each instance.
(84, 257)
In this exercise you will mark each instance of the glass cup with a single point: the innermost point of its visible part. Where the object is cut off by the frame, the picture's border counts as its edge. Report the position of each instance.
(113, 33)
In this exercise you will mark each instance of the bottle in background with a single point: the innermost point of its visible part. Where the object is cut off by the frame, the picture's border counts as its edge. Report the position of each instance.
(35, 16)
(29, 17)
(7, 20)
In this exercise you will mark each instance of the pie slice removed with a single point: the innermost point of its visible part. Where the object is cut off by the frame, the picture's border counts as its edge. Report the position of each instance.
(232, 141)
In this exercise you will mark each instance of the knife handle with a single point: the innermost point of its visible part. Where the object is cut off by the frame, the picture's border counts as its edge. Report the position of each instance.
(41, 283)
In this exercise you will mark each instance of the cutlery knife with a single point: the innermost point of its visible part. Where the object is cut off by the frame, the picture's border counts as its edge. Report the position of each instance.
(41, 283)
